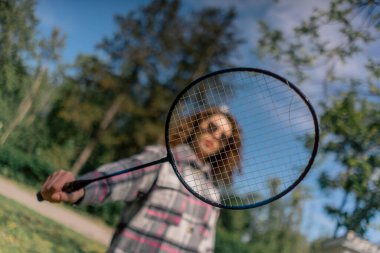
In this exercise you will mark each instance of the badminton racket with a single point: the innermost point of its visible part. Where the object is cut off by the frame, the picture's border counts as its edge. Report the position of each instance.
(279, 137)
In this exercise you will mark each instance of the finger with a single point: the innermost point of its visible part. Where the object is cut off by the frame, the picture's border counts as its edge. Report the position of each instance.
(46, 194)
(50, 180)
(55, 177)
(46, 182)
(63, 179)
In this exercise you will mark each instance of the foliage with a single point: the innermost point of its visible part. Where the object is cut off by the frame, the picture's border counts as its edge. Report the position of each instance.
(22, 57)
(26, 168)
(23, 230)
(109, 213)
(25, 90)
(271, 228)
(354, 24)
(17, 22)
(349, 119)
(229, 242)
(354, 138)
(113, 108)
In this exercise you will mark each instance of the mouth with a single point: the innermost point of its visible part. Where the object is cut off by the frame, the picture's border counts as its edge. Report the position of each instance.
(209, 144)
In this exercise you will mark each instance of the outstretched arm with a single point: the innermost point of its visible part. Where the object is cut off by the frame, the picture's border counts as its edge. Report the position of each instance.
(125, 187)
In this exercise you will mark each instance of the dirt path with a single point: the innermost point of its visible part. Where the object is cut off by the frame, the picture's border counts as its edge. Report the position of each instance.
(89, 227)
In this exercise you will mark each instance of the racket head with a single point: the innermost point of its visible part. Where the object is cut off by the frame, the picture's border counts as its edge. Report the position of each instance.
(275, 118)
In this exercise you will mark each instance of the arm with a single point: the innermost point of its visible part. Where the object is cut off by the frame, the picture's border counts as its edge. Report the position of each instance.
(123, 187)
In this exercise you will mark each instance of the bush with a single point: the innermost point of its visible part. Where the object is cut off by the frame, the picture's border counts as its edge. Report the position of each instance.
(110, 213)
(228, 241)
(23, 167)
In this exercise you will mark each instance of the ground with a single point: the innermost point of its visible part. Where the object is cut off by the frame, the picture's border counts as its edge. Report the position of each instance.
(87, 226)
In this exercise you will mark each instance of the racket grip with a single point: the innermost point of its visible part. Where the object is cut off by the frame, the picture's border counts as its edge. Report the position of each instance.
(68, 188)
(75, 185)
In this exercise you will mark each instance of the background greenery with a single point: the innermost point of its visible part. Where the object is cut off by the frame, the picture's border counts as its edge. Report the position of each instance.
(110, 104)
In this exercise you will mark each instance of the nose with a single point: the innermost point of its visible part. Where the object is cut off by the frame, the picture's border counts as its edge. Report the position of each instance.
(217, 134)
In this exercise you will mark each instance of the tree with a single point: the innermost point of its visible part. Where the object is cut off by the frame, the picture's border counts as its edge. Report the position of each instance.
(88, 104)
(353, 126)
(155, 52)
(271, 228)
(349, 118)
(309, 46)
(17, 24)
(27, 64)
(24, 84)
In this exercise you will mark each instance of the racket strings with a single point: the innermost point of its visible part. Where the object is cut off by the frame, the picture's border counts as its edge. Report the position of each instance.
(274, 121)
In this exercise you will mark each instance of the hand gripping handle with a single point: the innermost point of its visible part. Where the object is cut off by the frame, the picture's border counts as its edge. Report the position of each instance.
(69, 187)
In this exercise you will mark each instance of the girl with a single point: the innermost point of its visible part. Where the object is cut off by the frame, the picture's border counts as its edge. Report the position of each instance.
(161, 215)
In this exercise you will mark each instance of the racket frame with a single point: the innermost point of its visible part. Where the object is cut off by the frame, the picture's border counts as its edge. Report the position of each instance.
(245, 69)
(170, 158)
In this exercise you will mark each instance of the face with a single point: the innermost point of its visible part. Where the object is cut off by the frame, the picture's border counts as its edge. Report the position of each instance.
(213, 136)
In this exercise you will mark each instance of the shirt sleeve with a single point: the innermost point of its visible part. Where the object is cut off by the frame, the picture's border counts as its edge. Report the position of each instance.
(124, 187)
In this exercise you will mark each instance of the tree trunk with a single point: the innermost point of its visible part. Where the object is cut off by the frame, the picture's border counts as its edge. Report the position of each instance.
(24, 107)
(110, 115)
(106, 121)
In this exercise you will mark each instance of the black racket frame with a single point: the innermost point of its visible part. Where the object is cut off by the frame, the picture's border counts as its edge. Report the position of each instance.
(256, 70)
(78, 184)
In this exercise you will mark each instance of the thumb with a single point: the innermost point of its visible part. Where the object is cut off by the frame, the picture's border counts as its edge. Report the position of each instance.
(71, 197)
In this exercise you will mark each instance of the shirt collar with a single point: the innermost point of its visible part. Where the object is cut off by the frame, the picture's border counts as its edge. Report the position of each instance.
(184, 153)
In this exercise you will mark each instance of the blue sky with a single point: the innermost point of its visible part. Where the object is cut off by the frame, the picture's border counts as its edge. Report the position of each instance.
(86, 22)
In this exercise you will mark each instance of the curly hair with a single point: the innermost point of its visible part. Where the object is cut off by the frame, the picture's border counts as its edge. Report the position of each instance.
(227, 159)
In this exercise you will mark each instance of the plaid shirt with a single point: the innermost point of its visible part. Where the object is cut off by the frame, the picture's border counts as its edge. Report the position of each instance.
(169, 219)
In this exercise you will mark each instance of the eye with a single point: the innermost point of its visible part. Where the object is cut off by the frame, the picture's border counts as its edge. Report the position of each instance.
(212, 128)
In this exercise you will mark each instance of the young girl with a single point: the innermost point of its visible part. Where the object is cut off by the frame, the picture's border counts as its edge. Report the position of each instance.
(161, 215)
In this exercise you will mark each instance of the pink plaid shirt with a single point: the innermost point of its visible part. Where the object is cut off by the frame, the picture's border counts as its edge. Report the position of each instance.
(169, 219)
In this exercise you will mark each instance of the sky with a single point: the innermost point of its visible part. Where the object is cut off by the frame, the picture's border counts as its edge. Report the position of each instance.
(86, 22)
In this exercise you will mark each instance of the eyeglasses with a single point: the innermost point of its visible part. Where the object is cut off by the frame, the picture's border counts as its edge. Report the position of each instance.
(213, 128)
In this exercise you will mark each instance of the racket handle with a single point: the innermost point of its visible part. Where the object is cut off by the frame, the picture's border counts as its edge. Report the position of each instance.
(39, 197)
(75, 185)
(69, 187)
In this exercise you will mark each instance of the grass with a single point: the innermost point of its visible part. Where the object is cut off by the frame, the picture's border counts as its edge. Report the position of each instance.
(25, 231)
